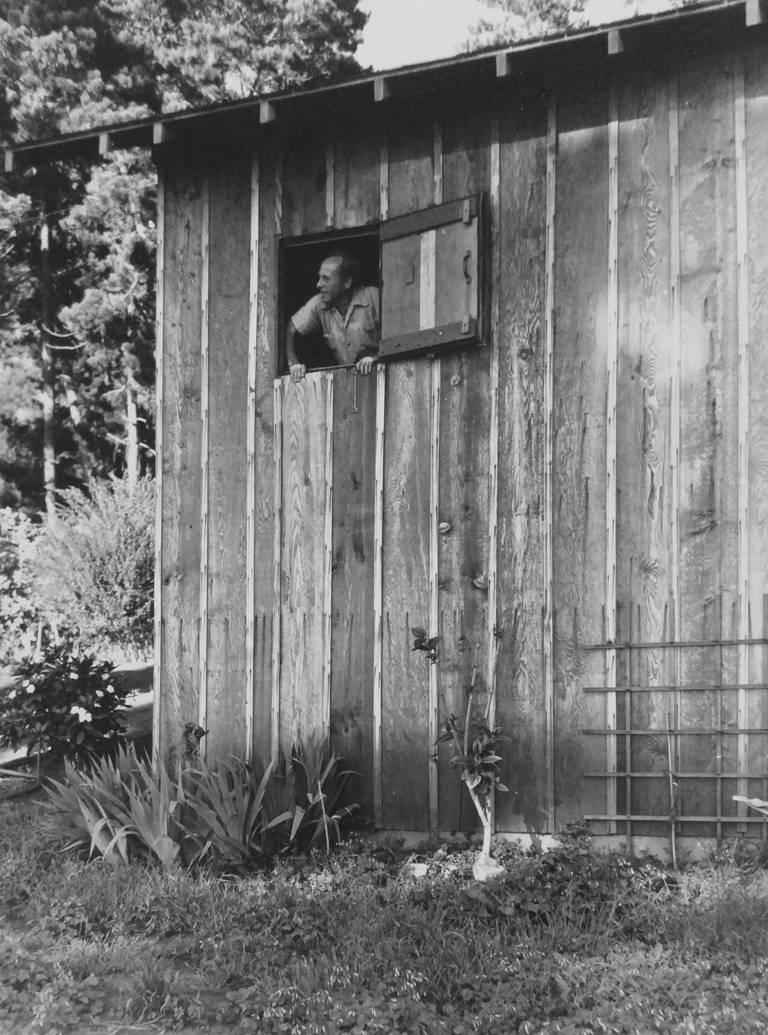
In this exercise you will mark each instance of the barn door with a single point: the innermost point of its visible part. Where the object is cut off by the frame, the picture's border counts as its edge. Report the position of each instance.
(430, 273)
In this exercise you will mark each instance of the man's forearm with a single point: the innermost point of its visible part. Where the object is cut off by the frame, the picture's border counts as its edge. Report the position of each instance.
(290, 345)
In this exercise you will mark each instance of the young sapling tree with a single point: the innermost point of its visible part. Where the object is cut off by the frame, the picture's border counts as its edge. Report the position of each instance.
(479, 762)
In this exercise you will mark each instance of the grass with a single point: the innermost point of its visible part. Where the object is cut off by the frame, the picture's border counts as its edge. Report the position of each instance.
(569, 942)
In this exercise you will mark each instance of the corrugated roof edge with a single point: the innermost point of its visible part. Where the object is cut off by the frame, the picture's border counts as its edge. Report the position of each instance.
(152, 129)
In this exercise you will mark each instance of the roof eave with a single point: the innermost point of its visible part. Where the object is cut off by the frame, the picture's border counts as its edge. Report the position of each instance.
(254, 114)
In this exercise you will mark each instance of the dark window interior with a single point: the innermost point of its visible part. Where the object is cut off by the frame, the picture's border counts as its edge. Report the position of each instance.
(300, 259)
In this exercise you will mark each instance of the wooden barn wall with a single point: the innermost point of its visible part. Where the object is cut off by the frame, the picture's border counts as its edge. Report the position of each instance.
(591, 480)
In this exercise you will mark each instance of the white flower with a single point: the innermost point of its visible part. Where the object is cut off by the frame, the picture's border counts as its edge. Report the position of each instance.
(81, 713)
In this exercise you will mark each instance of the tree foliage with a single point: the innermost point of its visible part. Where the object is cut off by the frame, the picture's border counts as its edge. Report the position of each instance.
(78, 238)
(509, 20)
(93, 568)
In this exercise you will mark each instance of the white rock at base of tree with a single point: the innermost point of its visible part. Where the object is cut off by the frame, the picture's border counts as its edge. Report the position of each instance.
(484, 868)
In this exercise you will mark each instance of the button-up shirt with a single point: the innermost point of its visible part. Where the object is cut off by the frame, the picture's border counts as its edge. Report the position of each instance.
(349, 335)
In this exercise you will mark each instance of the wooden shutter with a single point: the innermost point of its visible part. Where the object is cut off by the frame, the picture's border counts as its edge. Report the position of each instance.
(430, 271)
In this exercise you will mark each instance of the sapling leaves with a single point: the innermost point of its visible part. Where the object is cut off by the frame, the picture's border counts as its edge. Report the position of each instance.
(424, 642)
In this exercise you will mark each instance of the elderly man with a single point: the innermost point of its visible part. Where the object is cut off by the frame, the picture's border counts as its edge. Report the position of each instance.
(345, 313)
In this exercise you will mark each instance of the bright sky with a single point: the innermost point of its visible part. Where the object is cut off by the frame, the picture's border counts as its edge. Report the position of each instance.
(406, 32)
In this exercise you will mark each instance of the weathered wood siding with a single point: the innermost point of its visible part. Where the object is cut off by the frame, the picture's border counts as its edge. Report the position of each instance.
(577, 507)
(228, 313)
(180, 509)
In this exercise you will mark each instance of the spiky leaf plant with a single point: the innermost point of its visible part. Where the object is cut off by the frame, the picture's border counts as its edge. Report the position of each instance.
(310, 787)
(224, 813)
(118, 809)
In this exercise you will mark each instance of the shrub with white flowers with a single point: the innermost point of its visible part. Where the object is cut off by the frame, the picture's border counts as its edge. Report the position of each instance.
(62, 701)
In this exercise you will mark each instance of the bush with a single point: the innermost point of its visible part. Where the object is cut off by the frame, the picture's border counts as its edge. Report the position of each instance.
(18, 610)
(64, 702)
(94, 568)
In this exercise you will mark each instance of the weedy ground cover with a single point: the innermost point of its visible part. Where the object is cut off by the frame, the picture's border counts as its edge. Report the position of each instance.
(571, 941)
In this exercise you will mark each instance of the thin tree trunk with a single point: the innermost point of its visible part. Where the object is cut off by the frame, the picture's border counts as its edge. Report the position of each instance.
(75, 418)
(48, 370)
(131, 437)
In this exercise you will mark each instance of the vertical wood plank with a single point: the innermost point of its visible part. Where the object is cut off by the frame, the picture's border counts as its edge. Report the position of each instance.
(304, 171)
(708, 401)
(378, 530)
(579, 442)
(406, 749)
(644, 462)
(277, 572)
(251, 626)
(429, 289)
(353, 640)
(523, 364)
(405, 677)
(228, 427)
(673, 707)
(463, 490)
(612, 360)
(492, 633)
(466, 154)
(327, 630)
(434, 591)
(357, 175)
(548, 611)
(384, 176)
(157, 678)
(330, 182)
(304, 498)
(180, 519)
(743, 419)
(264, 361)
(427, 250)
(202, 679)
(378, 597)
(756, 171)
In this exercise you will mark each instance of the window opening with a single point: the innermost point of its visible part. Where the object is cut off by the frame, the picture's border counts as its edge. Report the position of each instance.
(429, 266)
(299, 260)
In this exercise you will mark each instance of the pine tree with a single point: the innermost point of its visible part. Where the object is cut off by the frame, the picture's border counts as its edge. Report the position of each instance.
(78, 238)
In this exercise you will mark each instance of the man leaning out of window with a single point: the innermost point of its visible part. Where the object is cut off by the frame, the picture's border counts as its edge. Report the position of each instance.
(345, 312)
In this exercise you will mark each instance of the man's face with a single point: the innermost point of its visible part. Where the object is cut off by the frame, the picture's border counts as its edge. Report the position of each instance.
(330, 283)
